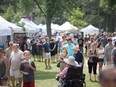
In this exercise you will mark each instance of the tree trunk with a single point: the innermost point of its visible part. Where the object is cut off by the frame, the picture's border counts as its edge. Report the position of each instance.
(48, 19)
(48, 25)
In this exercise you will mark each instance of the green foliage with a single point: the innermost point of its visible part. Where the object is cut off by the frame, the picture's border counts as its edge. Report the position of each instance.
(108, 5)
(77, 18)
(9, 13)
(93, 12)
(26, 6)
(18, 16)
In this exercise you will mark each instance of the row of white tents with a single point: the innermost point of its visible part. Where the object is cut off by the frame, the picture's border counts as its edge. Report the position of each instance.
(31, 27)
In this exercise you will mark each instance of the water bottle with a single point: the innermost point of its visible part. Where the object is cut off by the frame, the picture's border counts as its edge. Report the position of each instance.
(29, 61)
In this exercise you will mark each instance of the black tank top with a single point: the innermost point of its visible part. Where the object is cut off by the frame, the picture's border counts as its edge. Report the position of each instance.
(2, 68)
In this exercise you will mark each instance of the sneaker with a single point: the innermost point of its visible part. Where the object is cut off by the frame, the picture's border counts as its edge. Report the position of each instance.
(50, 67)
(17, 85)
(47, 67)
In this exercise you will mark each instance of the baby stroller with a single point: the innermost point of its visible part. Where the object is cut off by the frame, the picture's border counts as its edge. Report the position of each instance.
(74, 78)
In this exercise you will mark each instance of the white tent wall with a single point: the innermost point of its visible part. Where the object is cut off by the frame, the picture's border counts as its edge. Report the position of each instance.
(53, 27)
(5, 36)
(5, 31)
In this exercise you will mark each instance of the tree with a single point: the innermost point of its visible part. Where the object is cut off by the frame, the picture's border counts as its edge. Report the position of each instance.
(77, 18)
(109, 9)
(9, 13)
(50, 7)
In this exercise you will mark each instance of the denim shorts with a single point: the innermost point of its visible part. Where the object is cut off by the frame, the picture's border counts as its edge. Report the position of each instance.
(101, 60)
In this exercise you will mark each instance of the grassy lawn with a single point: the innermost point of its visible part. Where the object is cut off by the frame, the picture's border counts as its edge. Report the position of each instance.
(46, 78)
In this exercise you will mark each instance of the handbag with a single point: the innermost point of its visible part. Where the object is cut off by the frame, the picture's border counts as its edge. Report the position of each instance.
(58, 64)
(95, 59)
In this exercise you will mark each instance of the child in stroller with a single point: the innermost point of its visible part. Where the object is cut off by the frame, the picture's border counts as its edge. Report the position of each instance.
(72, 75)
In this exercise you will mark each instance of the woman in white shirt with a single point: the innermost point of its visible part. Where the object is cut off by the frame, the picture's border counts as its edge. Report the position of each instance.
(101, 55)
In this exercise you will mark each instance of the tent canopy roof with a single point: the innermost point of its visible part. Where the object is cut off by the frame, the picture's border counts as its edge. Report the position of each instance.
(7, 24)
(90, 29)
(67, 26)
(28, 24)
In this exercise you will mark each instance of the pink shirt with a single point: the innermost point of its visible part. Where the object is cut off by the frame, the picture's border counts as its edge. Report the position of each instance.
(63, 73)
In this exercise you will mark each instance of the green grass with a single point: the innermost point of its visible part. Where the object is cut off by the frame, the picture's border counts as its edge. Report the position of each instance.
(46, 78)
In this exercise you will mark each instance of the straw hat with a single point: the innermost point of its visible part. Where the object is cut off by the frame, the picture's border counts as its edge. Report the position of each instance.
(71, 61)
(65, 47)
(76, 48)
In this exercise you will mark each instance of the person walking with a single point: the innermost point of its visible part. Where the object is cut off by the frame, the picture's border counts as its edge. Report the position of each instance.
(52, 49)
(46, 48)
(40, 50)
(92, 63)
(34, 48)
(78, 56)
(104, 41)
(63, 55)
(81, 43)
(70, 47)
(113, 57)
(23, 44)
(107, 77)
(27, 68)
(8, 52)
(100, 50)
(15, 61)
(3, 69)
(108, 49)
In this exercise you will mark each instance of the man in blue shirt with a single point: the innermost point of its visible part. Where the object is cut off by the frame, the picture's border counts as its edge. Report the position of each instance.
(78, 56)
(104, 41)
(46, 47)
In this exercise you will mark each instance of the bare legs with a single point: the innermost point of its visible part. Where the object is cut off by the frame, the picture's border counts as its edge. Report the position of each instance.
(12, 81)
(18, 80)
(47, 62)
(100, 66)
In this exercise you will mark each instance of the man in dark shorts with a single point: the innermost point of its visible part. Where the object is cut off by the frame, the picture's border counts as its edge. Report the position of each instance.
(40, 50)
(81, 43)
(23, 44)
(34, 48)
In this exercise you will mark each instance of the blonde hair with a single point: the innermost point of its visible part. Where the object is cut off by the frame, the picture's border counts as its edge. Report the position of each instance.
(65, 48)
(26, 52)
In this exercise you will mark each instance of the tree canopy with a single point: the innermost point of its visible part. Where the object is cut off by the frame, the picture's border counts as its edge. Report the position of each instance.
(100, 13)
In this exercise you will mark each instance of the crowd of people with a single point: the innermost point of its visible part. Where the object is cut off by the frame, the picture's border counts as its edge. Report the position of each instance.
(16, 61)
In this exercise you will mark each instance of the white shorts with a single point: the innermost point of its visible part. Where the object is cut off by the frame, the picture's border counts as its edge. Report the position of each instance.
(16, 73)
(47, 55)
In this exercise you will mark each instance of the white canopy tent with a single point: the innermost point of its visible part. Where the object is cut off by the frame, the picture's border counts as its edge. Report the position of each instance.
(54, 27)
(67, 27)
(29, 25)
(90, 30)
(7, 24)
(5, 31)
